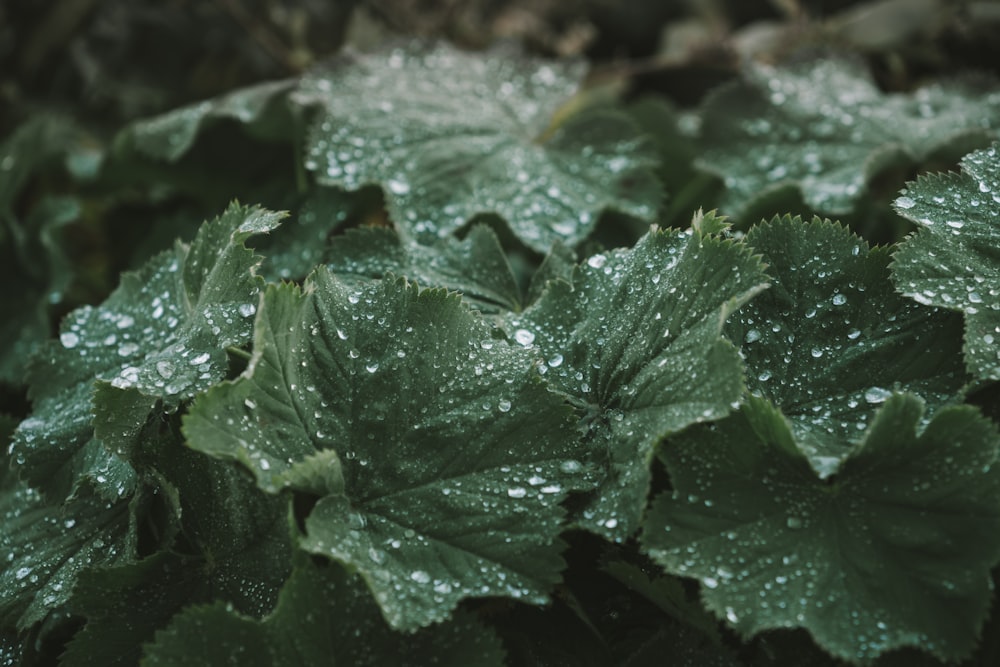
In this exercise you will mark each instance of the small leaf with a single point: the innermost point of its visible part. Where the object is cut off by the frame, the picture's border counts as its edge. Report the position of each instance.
(452, 456)
(161, 336)
(323, 617)
(635, 342)
(830, 341)
(824, 128)
(450, 135)
(894, 551)
(952, 262)
(475, 266)
(170, 135)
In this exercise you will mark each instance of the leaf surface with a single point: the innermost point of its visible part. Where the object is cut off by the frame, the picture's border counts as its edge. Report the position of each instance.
(161, 336)
(635, 343)
(830, 340)
(953, 261)
(475, 266)
(450, 135)
(895, 551)
(823, 127)
(439, 457)
(323, 617)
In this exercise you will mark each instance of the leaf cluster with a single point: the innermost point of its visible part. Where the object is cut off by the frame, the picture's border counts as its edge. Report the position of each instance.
(481, 395)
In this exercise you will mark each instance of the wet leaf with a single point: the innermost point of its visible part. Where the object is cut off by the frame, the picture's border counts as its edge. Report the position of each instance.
(475, 266)
(439, 457)
(635, 343)
(161, 336)
(952, 262)
(47, 545)
(830, 341)
(823, 127)
(324, 617)
(450, 135)
(895, 550)
(170, 135)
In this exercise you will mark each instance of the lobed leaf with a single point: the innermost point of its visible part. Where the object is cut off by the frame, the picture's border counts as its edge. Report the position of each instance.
(952, 262)
(823, 127)
(635, 342)
(830, 341)
(895, 550)
(438, 457)
(161, 336)
(451, 135)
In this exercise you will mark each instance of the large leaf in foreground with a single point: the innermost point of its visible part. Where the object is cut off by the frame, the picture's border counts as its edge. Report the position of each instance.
(953, 261)
(635, 342)
(161, 336)
(822, 126)
(450, 135)
(830, 340)
(324, 617)
(440, 456)
(895, 551)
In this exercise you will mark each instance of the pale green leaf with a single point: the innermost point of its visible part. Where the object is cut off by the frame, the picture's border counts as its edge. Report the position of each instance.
(830, 340)
(452, 455)
(450, 135)
(953, 261)
(895, 550)
(635, 342)
(161, 336)
(823, 127)
(170, 135)
(475, 266)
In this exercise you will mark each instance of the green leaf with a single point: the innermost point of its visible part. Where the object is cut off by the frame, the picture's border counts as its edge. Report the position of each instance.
(46, 546)
(324, 617)
(451, 135)
(635, 342)
(823, 127)
(161, 336)
(451, 455)
(170, 135)
(475, 266)
(894, 551)
(952, 262)
(830, 341)
(236, 550)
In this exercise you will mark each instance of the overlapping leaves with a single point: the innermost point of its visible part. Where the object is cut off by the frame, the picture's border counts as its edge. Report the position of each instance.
(438, 456)
(952, 262)
(161, 336)
(451, 135)
(830, 340)
(823, 127)
(640, 353)
(894, 551)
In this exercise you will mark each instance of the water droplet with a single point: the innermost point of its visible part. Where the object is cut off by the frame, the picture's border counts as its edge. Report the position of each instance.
(165, 369)
(69, 339)
(524, 337)
(555, 361)
(247, 309)
(503, 406)
(839, 299)
(200, 359)
(398, 187)
(877, 395)
(905, 202)
(372, 367)
(420, 576)
(597, 261)
(794, 522)
(517, 492)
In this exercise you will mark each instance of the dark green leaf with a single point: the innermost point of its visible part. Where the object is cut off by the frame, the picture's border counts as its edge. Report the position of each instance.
(170, 135)
(954, 262)
(895, 550)
(475, 266)
(823, 127)
(161, 336)
(635, 342)
(323, 617)
(830, 341)
(450, 458)
(451, 135)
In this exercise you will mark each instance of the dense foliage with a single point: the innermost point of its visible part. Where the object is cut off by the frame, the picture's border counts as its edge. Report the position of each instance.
(458, 383)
